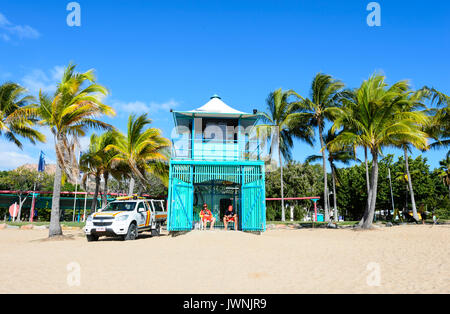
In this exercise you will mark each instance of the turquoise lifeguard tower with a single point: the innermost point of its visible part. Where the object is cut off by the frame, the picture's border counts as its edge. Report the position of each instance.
(216, 159)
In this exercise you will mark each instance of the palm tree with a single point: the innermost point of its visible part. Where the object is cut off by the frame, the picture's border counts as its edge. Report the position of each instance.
(99, 162)
(445, 172)
(143, 149)
(280, 125)
(404, 178)
(69, 114)
(412, 102)
(89, 164)
(324, 100)
(439, 126)
(108, 164)
(15, 115)
(349, 95)
(344, 156)
(374, 120)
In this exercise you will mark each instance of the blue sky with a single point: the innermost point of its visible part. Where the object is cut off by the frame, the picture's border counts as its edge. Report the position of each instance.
(156, 55)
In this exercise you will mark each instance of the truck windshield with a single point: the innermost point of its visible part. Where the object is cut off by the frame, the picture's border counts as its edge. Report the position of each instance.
(120, 206)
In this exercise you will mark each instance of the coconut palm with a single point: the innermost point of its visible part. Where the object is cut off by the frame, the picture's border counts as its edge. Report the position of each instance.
(107, 161)
(412, 101)
(445, 172)
(374, 120)
(74, 108)
(280, 125)
(344, 156)
(90, 165)
(98, 162)
(15, 115)
(404, 178)
(349, 95)
(143, 149)
(324, 100)
(439, 126)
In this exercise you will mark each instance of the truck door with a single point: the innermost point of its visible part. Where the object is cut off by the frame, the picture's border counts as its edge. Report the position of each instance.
(141, 215)
(150, 213)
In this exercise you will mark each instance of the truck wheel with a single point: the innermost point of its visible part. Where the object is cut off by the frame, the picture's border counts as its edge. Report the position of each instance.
(132, 233)
(157, 231)
(91, 238)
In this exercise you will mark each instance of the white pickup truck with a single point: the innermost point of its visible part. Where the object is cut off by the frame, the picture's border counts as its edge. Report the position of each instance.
(126, 218)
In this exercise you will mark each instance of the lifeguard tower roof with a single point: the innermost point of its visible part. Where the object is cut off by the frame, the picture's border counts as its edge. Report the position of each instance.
(215, 107)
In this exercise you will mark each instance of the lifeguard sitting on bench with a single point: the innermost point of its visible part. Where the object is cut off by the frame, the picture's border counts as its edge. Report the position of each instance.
(206, 215)
(230, 215)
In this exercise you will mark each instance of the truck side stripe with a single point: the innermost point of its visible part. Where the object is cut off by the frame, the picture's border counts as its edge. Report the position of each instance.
(147, 222)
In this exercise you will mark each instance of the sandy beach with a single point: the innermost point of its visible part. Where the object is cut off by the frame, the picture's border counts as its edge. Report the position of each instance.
(410, 259)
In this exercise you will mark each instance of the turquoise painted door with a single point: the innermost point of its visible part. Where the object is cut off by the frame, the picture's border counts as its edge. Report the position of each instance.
(181, 206)
(253, 206)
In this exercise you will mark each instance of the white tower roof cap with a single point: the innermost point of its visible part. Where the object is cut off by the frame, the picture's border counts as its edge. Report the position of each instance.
(216, 105)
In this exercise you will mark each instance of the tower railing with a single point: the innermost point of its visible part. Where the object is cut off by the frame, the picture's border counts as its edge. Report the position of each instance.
(216, 150)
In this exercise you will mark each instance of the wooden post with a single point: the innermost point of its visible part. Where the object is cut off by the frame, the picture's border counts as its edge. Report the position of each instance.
(315, 209)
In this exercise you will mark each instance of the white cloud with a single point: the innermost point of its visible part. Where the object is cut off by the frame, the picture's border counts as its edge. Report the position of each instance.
(38, 79)
(9, 30)
(49, 145)
(12, 160)
(12, 156)
(84, 142)
(142, 107)
(5, 37)
(3, 20)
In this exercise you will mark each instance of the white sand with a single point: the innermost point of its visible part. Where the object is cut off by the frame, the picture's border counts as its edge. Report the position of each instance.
(412, 259)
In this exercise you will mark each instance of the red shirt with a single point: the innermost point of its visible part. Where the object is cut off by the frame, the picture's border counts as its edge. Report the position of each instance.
(205, 213)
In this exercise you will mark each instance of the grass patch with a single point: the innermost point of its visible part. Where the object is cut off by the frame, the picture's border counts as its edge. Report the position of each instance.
(73, 224)
(309, 223)
(44, 223)
(23, 223)
(347, 223)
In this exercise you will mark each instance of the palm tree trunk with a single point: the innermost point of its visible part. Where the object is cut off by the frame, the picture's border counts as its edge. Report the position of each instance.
(333, 176)
(283, 211)
(370, 211)
(105, 189)
(406, 196)
(369, 190)
(131, 187)
(55, 226)
(94, 198)
(413, 201)
(325, 178)
(367, 170)
(140, 188)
